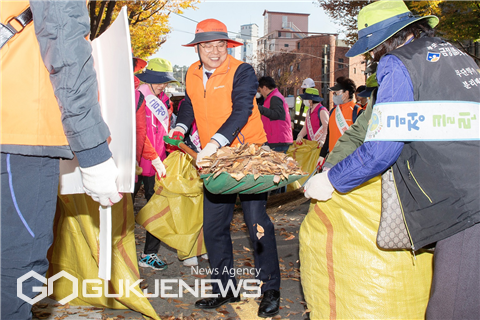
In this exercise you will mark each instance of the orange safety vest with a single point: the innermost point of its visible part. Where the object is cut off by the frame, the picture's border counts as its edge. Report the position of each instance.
(29, 110)
(213, 106)
(334, 131)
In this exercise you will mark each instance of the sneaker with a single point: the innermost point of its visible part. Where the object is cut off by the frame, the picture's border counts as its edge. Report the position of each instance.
(204, 256)
(190, 262)
(152, 261)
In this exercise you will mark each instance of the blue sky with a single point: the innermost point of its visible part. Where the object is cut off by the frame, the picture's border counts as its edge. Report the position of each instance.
(234, 14)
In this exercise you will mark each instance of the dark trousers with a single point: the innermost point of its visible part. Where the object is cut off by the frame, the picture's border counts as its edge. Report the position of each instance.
(28, 199)
(217, 215)
(282, 149)
(152, 243)
(148, 186)
(455, 292)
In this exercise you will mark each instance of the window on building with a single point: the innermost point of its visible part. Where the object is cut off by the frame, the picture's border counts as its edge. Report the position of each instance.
(298, 45)
(354, 70)
(286, 45)
(288, 35)
(279, 72)
(291, 68)
(298, 66)
(279, 34)
(340, 63)
(298, 92)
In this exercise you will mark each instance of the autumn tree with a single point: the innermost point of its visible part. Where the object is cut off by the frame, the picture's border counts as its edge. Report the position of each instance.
(459, 20)
(344, 13)
(281, 68)
(148, 20)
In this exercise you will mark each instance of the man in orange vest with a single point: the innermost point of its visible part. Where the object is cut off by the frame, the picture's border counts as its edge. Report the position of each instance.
(49, 111)
(220, 97)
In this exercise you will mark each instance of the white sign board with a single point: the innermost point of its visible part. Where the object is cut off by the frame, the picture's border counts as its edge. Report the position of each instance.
(113, 64)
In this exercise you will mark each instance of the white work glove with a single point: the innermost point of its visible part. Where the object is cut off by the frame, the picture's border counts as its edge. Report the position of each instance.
(99, 182)
(320, 144)
(300, 135)
(177, 128)
(209, 149)
(319, 187)
(159, 167)
(320, 161)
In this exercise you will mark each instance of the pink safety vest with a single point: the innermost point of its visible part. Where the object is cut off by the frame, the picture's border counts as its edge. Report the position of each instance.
(315, 120)
(155, 132)
(278, 131)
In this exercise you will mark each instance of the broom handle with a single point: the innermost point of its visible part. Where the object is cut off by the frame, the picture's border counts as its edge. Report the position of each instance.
(188, 150)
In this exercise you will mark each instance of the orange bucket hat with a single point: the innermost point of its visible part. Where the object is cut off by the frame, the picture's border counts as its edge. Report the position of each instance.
(212, 30)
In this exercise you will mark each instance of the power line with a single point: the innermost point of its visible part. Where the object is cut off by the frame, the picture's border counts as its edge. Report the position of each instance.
(311, 55)
(258, 37)
(183, 16)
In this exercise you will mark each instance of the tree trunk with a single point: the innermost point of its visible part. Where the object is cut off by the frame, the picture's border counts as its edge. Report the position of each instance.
(96, 17)
(108, 17)
(92, 5)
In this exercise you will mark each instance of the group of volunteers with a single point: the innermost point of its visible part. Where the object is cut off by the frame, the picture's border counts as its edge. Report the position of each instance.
(438, 181)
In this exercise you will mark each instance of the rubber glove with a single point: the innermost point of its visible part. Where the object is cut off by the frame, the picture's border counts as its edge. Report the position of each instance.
(159, 167)
(99, 182)
(209, 149)
(178, 133)
(319, 187)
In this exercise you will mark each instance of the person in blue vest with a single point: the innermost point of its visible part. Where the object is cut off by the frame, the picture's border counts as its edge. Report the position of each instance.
(437, 179)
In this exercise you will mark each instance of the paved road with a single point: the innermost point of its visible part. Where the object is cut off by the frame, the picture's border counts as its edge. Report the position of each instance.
(287, 211)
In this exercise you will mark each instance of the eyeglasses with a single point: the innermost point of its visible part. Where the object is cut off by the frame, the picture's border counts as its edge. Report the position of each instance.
(338, 93)
(208, 47)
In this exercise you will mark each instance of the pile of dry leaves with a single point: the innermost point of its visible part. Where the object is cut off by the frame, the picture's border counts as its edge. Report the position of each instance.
(251, 159)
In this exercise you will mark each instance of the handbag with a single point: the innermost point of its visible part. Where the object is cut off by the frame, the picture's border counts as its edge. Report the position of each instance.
(392, 232)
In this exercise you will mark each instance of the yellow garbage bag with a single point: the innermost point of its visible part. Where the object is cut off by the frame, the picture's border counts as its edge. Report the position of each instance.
(174, 214)
(75, 249)
(306, 155)
(345, 275)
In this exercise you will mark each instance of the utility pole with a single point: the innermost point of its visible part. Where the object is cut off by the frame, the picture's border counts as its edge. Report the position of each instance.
(325, 75)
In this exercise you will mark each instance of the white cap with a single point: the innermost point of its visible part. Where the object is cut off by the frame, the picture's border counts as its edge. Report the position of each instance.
(308, 83)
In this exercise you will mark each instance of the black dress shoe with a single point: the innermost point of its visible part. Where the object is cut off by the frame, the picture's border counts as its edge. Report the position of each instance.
(270, 304)
(213, 303)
